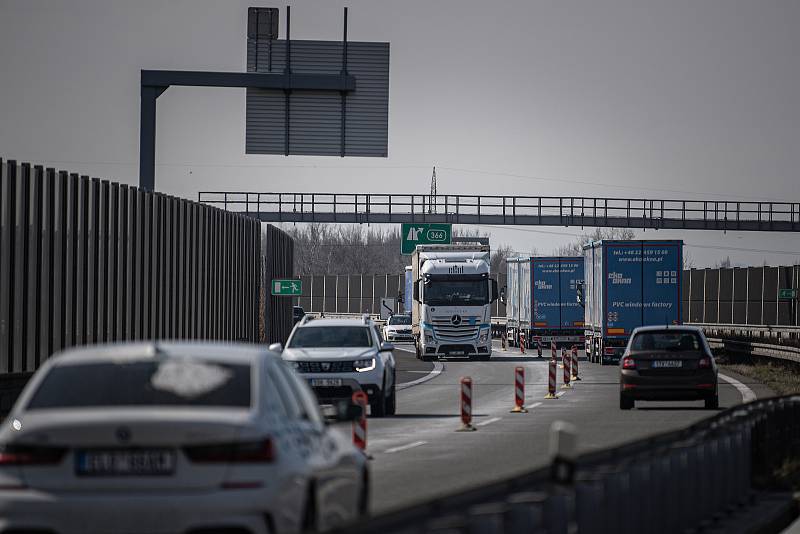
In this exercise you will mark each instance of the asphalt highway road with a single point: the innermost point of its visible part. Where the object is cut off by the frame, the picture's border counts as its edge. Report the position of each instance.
(418, 454)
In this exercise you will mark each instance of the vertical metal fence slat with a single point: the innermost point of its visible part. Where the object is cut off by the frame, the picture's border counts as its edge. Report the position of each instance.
(122, 315)
(114, 278)
(59, 260)
(102, 263)
(81, 260)
(93, 214)
(46, 270)
(34, 325)
(7, 232)
(21, 274)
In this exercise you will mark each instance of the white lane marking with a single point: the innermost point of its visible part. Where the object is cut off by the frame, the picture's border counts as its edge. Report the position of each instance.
(558, 394)
(405, 447)
(748, 394)
(418, 372)
(438, 367)
(534, 405)
(488, 421)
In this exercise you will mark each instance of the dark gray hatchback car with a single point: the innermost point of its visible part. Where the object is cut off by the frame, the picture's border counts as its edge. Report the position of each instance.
(668, 363)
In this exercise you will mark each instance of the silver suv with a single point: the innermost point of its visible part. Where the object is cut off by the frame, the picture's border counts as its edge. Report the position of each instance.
(341, 356)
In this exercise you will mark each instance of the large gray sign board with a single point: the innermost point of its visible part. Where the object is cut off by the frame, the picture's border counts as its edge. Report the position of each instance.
(315, 125)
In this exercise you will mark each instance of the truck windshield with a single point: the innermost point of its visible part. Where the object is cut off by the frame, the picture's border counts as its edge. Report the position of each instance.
(456, 293)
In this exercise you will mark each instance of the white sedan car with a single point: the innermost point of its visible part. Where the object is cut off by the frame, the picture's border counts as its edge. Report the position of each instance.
(172, 437)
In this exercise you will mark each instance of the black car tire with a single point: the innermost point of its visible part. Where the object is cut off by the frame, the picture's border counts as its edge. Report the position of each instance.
(377, 407)
(712, 403)
(391, 402)
(625, 403)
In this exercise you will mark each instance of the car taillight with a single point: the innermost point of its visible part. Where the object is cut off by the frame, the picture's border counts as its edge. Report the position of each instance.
(245, 452)
(705, 363)
(628, 363)
(31, 455)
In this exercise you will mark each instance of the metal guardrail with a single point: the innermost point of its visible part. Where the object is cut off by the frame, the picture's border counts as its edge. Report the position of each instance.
(671, 482)
(780, 342)
(513, 210)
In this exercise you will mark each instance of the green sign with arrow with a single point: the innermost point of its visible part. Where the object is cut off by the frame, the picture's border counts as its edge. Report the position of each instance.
(787, 294)
(287, 288)
(413, 234)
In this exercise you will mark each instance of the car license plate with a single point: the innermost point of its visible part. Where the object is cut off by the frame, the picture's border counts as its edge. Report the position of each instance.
(456, 353)
(125, 462)
(667, 363)
(326, 382)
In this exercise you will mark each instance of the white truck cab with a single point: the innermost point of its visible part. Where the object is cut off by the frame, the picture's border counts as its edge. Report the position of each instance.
(453, 294)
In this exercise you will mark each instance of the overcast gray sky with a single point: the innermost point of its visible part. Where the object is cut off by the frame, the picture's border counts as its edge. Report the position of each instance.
(678, 98)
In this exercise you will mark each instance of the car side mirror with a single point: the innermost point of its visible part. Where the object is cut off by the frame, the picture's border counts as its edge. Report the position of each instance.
(416, 291)
(276, 347)
(342, 412)
(386, 346)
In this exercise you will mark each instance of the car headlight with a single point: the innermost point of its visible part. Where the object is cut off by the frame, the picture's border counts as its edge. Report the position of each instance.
(295, 365)
(484, 337)
(366, 364)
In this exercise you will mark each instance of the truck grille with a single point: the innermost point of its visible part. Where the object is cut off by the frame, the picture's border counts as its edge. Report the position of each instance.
(445, 330)
(325, 367)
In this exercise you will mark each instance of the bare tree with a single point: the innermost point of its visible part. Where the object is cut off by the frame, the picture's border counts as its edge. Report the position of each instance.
(575, 247)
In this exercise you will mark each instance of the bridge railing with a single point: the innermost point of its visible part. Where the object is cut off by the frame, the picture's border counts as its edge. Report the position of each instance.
(506, 209)
(704, 474)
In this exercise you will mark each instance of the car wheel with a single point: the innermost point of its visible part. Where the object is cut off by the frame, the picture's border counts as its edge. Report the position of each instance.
(363, 499)
(391, 402)
(377, 407)
(310, 513)
(712, 403)
(625, 403)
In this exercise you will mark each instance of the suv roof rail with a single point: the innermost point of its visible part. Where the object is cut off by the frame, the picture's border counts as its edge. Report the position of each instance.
(306, 318)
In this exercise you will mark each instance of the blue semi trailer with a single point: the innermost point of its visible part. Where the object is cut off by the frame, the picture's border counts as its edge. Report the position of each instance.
(628, 284)
(542, 300)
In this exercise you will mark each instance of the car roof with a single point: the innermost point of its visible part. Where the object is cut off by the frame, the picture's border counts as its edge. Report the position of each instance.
(219, 352)
(662, 328)
(334, 322)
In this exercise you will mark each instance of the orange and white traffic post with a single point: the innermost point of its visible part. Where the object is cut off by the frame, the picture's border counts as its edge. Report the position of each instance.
(466, 405)
(360, 424)
(565, 359)
(539, 347)
(575, 376)
(553, 350)
(519, 391)
(551, 380)
(522, 342)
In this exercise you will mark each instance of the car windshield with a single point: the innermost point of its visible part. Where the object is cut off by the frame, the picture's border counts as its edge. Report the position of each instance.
(330, 337)
(456, 293)
(666, 341)
(167, 382)
(399, 319)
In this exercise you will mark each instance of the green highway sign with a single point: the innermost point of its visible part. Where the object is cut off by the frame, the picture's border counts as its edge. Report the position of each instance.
(413, 234)
(287, 288)
(787, 294)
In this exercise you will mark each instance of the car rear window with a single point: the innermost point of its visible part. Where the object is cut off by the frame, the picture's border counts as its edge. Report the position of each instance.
(331, 336)
(170, 382)
(666, 341)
